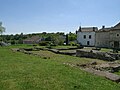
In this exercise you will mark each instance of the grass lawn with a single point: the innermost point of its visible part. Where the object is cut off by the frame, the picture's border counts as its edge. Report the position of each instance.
(63, 47)
(105, 50)
(19, 71)
(64, 58)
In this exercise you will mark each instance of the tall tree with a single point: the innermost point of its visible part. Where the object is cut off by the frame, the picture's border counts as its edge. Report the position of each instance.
(2, 29)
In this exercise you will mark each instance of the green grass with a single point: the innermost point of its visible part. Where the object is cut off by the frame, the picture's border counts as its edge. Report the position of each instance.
(21, 46)
(64, 58)
(105, 50)
(118, 73)
(19, 71)
(63, 47)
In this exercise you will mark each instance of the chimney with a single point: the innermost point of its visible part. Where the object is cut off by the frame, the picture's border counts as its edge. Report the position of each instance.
(76, 31)
(79, 29)
(103, 27)
(93, 28)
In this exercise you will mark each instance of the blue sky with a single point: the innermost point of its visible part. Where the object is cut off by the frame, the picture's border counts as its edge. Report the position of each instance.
(31, 16)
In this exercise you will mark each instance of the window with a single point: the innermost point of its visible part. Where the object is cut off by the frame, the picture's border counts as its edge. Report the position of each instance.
(112, 45)
(117, 35)
(89, 36)
(84, 36)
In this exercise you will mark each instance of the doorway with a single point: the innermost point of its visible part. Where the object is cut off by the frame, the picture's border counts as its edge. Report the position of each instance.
(116, 44)
(88, 42)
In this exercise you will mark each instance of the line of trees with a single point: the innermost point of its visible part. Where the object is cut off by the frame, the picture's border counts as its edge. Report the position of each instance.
(58, 38)
(54, 38)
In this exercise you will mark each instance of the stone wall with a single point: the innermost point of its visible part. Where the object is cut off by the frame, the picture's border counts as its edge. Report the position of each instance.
(97, 55)
(62, 52)
(102, 39)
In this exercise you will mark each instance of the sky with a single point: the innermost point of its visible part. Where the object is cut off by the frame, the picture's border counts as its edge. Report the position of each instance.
(36, 16)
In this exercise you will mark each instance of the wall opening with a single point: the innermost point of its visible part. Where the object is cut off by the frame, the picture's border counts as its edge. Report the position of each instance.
(88, 42)
(116, 44)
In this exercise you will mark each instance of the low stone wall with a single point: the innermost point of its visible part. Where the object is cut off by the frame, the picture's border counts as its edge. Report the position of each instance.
(106, 74)
(110, 76)
(61, 52)
(67, 48)
(97, 55)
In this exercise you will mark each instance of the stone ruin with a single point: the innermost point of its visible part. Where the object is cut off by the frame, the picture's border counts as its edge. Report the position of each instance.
(109, 67)
(106, 70)
(4, 44)
(98, 55)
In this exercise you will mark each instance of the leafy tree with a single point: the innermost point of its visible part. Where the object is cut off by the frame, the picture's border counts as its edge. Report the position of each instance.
(49, 38)
(72, 36)
(20, 41)
(67, 39)
(2, 29)
(16, 37)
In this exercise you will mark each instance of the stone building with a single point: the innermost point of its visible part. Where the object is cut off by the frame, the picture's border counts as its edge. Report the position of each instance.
(115, 37)
(86, 36)
(108, 37)
(102, 37)
(32, 40)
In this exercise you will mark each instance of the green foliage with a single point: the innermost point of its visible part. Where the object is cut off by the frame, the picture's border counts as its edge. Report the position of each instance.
(72, 43)
(72, 36)
(55, 38)
(79, 46)
(13, 42)
(2, 29)
(44, 43)
(14, 39)
(20, 41)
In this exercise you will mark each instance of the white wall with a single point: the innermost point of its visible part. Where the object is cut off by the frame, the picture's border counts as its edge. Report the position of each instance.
(80, 38)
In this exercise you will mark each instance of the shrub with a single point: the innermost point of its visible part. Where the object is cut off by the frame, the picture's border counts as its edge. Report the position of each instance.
(34, 44)
(13, 42)
(79, 46)
(72, 43)
(44, 43)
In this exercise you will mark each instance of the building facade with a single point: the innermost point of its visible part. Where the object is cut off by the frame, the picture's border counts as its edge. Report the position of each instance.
(86, 36)
(32, 40)
(115, 36)
(102, 37)
(108, 37)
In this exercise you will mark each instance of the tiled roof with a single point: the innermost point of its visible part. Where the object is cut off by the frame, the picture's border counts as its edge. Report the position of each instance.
(117, 26)
(88, 29)
(104, 29)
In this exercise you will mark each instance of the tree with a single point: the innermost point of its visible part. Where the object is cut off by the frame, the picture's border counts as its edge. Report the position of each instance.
(67, 39)
(2, 29)
(72, 36)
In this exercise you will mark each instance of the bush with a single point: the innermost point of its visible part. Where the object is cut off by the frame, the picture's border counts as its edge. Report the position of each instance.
(13, 42)
(53, 44)
(79, 46)
(34, 44)
(73, 44)
(44, 43)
